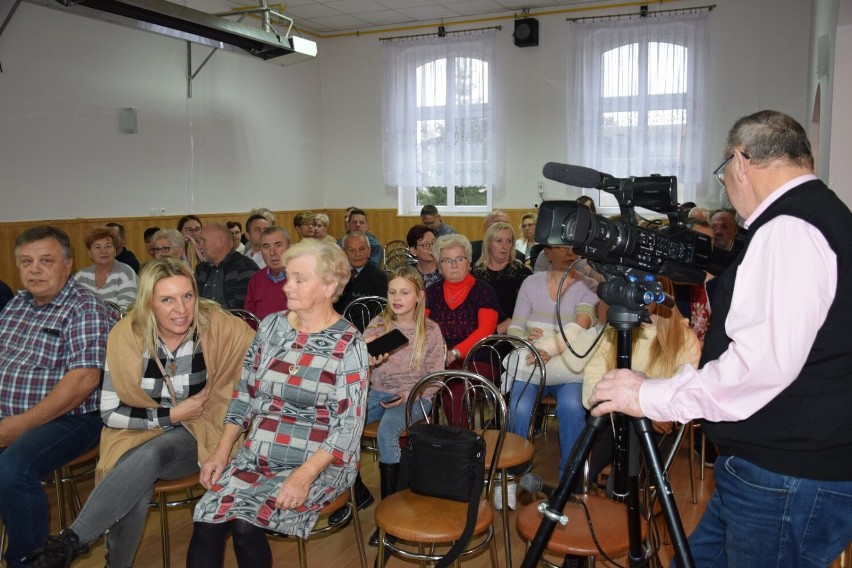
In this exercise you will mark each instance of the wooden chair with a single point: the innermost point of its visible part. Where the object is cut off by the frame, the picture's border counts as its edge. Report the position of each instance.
(162, 489)
(505, 356)
(323, 526)
(252, 320)
(415, 521)
(360, 311)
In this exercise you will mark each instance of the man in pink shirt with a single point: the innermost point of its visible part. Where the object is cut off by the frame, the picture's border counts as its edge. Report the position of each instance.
(775, 381)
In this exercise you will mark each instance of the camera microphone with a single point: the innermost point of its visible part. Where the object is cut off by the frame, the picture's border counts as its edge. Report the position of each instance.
(532, 483)
(577, 176)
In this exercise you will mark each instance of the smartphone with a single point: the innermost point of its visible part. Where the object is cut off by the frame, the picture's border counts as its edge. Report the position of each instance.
(387, 343)
(391, 401)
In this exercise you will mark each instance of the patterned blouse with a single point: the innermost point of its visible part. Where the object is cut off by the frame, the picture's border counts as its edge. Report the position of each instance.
(299, 393)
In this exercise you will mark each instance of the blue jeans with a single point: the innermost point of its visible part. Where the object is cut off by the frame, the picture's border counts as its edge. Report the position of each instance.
(36, 453)
(759, 519)
(569, 412)
(392, 422)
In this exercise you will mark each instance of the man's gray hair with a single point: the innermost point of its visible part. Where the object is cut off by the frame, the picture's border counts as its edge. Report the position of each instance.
(770, 135)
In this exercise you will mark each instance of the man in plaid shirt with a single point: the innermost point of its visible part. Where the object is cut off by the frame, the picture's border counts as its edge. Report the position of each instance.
(52, 347)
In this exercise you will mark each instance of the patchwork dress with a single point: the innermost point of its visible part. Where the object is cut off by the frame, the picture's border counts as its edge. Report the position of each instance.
(299, 393)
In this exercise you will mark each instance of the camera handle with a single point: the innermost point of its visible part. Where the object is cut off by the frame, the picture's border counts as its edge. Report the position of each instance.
(624, 318)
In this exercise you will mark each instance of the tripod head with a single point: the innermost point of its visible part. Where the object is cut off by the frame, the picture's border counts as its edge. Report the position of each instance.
(629, 292)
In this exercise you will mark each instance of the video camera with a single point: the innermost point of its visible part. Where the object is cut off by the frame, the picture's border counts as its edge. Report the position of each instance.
(676, 252)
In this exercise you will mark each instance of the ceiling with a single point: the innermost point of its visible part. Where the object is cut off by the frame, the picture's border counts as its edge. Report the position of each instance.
(328, 17)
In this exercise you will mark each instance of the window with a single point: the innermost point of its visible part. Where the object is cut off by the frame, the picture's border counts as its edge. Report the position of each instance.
(439, 129)
(638, 100)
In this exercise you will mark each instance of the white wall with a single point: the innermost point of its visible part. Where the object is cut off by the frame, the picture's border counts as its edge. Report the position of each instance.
(307, 135)
(249, 136)
(840, 169)
(759, 59)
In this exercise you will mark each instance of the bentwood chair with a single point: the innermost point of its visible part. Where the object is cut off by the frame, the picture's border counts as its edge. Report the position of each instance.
(117, 311)
(415, 527)
(360, 311)
(506, 356)
(252, 320)
(162, 489)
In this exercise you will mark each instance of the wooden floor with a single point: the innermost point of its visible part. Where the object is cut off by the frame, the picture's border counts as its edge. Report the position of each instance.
(338, 550)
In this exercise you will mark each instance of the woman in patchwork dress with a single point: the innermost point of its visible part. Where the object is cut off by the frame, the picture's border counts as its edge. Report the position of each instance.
(302, 400)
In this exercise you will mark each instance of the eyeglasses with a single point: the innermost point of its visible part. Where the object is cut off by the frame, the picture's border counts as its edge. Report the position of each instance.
(528, 225)
(192, 229)
(454, 261)
(719, 173)
(426, 246)
(158, 250)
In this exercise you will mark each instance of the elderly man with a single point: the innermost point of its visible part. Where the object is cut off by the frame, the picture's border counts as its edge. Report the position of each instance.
(366, 278)
(255, 225)
(356, 222)
(266, 288)
(225, 275)
(725, 228)
(122, 253)
(52, 347)
(775, 384)
(430, 217)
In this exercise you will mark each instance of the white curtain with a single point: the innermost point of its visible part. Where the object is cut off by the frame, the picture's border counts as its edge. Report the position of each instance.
(637, 99)
(438, 113)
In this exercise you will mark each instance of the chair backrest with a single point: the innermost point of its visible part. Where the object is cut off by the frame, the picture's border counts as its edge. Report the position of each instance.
(392, 246)
(252, 320)
(360, 311)
(476, 393)
(398, 259)
(117, 311)
(505, 356)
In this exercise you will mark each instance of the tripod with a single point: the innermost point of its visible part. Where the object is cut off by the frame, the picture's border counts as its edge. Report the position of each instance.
(628, 298)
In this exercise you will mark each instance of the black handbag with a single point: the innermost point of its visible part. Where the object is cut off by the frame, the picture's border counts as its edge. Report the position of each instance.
(446, 462)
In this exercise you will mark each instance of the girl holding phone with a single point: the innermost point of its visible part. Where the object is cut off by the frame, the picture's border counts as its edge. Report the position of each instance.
(394, 374)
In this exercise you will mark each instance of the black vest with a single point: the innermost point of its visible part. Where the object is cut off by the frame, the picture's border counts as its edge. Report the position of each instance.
(805, 431)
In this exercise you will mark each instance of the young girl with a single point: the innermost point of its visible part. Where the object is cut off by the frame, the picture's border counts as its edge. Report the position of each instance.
(394, 374)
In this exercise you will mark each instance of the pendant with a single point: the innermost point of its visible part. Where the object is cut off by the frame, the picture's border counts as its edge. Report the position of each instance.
(172, 367)
(294, 369)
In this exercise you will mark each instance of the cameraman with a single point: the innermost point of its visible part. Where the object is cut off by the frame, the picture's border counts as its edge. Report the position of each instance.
(775, 385)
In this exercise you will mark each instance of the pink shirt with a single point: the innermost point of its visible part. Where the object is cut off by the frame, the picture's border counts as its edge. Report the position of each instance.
(785, 285)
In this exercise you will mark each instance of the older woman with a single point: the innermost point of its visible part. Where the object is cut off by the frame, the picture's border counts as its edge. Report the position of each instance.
(498, 267)
(420, 241)
(113, 281)
(321, 222)
(302, 399)
(168, 243)
(527, 240)
(171, 367)
(535, 319)
(466, 309)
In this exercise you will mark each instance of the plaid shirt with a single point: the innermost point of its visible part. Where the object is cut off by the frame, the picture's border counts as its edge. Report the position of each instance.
(40, 344)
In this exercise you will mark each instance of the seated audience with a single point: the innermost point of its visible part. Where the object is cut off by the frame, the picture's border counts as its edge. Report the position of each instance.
(265, 293)
(190, 227)
(356, 222)
(110, 279)
(420, 241)
(149, 243)
(122, 254)
(171, 368)
(224, 277)
(366, 279)
(499, 267)
(305, 225)
(303, 419)
(430, 217)
(255, 225)
(236, 235)
(48, 384)
(526, 241)
(534, 319)
(725, 229)
(394, 374)
(496, 216)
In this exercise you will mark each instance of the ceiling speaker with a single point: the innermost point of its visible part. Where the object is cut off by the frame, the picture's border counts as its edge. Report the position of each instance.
(526, 32)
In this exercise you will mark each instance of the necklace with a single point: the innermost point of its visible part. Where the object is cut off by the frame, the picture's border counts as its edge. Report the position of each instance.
(460, 293)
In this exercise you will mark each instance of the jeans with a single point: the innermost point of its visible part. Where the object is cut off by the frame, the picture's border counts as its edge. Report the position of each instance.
(392, 422)
(569, 412)
(759, 519)
(36, 453)
(119, 503)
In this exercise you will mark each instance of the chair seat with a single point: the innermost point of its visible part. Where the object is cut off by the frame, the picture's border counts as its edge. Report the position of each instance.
(608, 517)
(170, 485)
(338, 502)
(516, 450)
(409, 516)
(88, 456)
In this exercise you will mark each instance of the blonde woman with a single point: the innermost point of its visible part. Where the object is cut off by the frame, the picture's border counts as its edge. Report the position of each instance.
(394, 374)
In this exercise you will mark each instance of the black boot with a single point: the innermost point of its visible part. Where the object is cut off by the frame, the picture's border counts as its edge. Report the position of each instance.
(363, 499)
(58, 551)
(389, 473)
